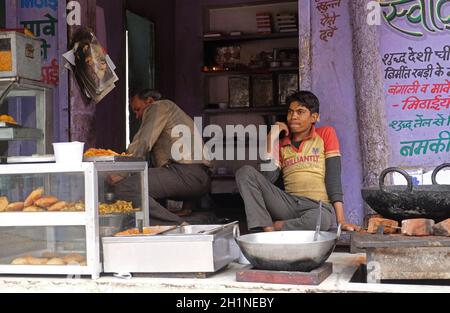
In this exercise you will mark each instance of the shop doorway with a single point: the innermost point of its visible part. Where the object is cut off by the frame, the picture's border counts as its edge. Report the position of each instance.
(2, 14)
(140, 61)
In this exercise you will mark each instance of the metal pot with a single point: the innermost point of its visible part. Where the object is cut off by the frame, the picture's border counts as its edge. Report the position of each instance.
(113, 223)
(288, 250)
(398, 203)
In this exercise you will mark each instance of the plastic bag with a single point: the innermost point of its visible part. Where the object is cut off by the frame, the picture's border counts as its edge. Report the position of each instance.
(93, 69)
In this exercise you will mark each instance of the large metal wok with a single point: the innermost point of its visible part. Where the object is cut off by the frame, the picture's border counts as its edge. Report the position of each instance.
(398, 203)
(288, 250)
(300, 251)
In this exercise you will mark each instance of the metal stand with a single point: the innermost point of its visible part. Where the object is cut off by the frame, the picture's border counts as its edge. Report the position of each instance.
(397, 257)
(43, 94)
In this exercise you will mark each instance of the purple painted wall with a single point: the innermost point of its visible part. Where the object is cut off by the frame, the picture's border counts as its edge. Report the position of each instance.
(110, 112)
(102, 125)
(162, 14)
(333, 83)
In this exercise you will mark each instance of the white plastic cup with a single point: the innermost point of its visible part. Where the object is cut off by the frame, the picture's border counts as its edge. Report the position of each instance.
(68, 152)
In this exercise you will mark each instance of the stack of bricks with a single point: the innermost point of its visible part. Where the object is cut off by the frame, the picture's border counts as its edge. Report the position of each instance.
(417, 227)
(409, 227)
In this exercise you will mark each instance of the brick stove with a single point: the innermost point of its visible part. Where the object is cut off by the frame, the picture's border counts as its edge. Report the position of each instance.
(399, 257)
(314, 277)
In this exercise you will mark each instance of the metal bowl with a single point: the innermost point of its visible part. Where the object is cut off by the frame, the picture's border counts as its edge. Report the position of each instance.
(287, 250)
(114, 223)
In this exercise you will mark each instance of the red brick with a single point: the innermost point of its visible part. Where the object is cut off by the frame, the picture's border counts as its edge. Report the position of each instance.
(417, 227)
(390, 226)
(442, 228)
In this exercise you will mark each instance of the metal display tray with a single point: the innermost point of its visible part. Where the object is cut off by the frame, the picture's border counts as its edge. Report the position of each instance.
(31, 159)
(186, 249)
(6, 124)
(113, 158)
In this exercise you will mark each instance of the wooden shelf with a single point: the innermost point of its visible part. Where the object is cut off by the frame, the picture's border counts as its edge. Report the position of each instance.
(281, 110)
(20, 133)
(293, 69)
(249, 37)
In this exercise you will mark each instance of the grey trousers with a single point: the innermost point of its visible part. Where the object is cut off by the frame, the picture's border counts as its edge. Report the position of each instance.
(173, 182)
(266, 203)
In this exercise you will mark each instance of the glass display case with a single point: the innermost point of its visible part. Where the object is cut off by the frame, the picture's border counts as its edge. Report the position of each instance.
(52, 215)
(29, 107)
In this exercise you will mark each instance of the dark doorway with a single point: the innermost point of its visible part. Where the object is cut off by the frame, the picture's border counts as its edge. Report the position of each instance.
(2, 14)
(141, 58)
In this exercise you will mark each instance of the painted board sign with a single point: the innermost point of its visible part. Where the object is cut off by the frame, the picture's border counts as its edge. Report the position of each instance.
(415, 54)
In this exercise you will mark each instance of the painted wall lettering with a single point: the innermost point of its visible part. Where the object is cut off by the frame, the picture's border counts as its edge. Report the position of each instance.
(374, 14)
(329, 17)
(416, 18)
(415, 56)
(39, 4)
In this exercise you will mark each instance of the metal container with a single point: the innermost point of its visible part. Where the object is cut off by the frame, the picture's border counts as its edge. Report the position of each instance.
(114, 223)
(21, 56)
(189, 249)
(113, 158)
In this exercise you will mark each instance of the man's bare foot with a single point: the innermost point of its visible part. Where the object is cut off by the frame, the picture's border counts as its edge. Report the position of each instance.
(183, 212)
(278, 225)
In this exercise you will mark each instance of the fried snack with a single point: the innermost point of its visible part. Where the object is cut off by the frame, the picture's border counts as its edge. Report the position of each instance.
(128, 232)
(46, 202)
(56, 261)
(3, 204)
(93, 152)
(34, 195)
(74, 207)
(58, 206)
(8, 119)
(119, 207)
(74, 258)
(156, 230)
(33, 209)
(20, 261)
(15, 207)
(146, 231)
(6, 61)
(49, 255)
(36, 261)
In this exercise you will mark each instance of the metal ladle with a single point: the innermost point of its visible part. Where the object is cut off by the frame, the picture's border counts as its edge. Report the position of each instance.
(216, 229)
(319, 222)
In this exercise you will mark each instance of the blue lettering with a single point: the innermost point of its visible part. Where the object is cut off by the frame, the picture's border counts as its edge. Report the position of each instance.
(53, 4)
(39, 4)
(26, 4)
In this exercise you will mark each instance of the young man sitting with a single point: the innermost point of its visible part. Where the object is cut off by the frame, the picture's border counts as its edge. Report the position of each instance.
(310, 162)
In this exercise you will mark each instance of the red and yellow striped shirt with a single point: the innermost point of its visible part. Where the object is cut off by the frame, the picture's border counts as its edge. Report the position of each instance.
(304, 168)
